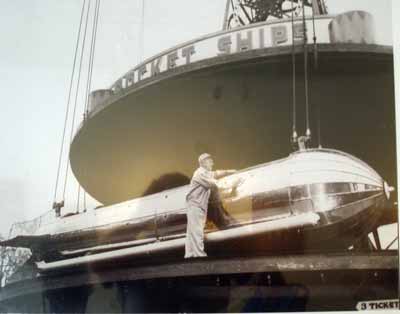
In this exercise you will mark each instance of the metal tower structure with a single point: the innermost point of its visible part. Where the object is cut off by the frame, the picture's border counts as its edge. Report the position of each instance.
(244, 12)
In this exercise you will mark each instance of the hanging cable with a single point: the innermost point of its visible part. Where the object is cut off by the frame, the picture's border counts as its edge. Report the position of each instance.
(308, 131)
(91, 57)
(315, 69)
(78, 198)
(76, 93)
(294, 118)
(314, 39)
(68, 103)
(90, 74)
(319, 126)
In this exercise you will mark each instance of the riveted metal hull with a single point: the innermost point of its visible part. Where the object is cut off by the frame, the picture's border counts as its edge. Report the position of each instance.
(317, 199)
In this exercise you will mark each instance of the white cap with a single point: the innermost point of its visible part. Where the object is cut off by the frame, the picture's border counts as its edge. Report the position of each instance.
(203, 157)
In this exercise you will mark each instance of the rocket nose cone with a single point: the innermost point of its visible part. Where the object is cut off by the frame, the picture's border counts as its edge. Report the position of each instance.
(387, 189)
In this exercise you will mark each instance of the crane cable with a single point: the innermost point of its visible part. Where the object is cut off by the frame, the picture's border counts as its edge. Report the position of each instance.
(294, 133)
(77, 92)
(68, 104)
(89, 78)
(91, 57)
(315, 68)
(308, 131)
(314, 39)
(78, 198)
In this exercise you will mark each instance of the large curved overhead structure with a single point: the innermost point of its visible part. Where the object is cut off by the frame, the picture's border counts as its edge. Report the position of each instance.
(230, 94)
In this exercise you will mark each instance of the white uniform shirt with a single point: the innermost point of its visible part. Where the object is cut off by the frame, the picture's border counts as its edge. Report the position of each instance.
(200, 188)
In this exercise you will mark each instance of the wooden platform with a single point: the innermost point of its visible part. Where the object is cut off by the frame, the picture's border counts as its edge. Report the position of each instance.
(375, 264)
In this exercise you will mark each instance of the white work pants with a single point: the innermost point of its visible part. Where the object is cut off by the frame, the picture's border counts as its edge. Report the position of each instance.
(196, 220)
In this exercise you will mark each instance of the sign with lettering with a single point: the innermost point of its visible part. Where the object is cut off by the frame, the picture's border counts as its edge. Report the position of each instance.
(378, 305)
(256, 36)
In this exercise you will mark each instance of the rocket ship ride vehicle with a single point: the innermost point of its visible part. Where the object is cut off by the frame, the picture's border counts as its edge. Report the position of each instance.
(313, 199)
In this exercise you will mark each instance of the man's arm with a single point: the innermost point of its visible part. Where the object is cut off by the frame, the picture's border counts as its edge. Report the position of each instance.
(204, 180)
(223, 173)
(211, 182)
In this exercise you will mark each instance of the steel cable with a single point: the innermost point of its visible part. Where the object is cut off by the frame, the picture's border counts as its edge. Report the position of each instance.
(68, 103)
(76, 93)
(90, 75)
(294, 133)
(315, 68)
(91, 56)
(308, 131)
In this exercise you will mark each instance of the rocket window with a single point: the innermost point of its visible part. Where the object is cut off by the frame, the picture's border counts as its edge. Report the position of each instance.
(330, 188)
(299, 192)
(317, 188)
(371, 187)
(360, 187)
(334, 188)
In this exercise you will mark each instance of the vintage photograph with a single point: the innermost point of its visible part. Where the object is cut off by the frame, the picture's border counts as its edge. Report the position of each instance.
(179, 156)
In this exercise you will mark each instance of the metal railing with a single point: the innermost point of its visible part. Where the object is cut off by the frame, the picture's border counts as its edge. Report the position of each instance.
(30, 227)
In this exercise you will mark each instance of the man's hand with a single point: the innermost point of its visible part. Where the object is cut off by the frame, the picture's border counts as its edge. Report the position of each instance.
(231, 190)
(238, 182)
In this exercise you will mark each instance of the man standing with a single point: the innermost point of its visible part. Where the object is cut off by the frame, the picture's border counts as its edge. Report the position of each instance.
(203, 180)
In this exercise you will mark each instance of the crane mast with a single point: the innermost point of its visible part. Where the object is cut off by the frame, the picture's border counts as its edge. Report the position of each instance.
(243, 12)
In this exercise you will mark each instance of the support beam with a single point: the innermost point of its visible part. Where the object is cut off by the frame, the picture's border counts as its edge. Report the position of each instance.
(377, 240)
